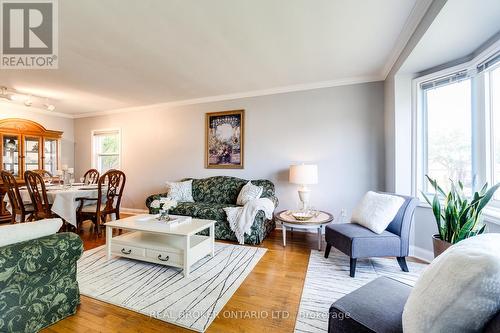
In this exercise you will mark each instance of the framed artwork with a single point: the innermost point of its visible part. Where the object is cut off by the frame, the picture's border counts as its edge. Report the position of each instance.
(224, 139)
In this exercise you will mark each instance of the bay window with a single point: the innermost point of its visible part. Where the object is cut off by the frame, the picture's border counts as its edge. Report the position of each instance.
(458, 127)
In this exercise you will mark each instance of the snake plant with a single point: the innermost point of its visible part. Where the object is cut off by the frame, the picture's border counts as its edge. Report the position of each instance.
(459, 218)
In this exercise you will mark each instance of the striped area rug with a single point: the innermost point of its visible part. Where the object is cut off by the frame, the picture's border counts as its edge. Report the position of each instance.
(161, 291)
(327, 280)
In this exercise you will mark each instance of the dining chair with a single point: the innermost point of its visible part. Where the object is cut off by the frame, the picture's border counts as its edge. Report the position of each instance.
(91, 176)
(109, 195)
(15, 199)
(43, 173)
(38, 195)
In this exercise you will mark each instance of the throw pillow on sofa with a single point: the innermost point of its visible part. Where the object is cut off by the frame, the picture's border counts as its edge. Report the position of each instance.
(20, 232)
(459, 291)
(376, 211)
(249, 192)
(181, 191)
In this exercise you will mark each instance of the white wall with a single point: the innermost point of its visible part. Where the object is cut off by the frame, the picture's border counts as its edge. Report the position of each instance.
(57, 123)
(339, 128)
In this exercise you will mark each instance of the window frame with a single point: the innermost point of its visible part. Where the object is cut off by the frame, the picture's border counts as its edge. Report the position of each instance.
(95, 155)
(481, 123)
(490, 147)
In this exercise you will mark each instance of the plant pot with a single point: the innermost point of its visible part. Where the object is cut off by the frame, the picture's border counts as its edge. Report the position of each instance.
(439, 245)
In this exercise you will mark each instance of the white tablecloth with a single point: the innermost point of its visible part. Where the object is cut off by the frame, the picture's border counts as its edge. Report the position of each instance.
(62, 200)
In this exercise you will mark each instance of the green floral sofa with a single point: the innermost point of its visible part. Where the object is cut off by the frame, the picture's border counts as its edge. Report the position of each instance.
(211, 195)
(38, 284)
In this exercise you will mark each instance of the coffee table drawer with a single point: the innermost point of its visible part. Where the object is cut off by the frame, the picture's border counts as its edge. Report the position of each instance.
(127, 250)
(164, 257)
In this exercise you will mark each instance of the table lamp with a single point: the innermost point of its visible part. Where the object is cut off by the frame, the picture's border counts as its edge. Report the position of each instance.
(303, 175)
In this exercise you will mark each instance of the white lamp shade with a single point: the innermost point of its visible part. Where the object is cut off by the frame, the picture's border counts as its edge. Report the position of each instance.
(304, 174)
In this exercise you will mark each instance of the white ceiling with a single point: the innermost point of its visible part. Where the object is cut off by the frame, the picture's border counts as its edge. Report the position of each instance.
(124, 53)
(460, 28)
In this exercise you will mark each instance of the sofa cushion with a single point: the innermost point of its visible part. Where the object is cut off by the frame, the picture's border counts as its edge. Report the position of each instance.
(248, 192)
(459, 291)
(375, 307)
(180, 191)
(202, 210)
(20, 232)
(225, 190)
(357, 241)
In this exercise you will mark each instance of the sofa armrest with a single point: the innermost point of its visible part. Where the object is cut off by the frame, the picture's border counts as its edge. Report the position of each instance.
(275, 201)
(21, 261)
(150, 199)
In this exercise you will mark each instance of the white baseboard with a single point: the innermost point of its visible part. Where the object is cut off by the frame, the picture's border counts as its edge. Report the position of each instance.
(421, 253)
(133, 210)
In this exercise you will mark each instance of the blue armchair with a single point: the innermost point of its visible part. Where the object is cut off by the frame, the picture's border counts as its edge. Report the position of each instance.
(357, 241)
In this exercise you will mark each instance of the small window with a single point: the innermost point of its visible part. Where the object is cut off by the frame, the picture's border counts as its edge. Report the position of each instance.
(106, 150)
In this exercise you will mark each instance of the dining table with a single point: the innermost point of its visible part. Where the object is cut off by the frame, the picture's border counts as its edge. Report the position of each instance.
(63, 199)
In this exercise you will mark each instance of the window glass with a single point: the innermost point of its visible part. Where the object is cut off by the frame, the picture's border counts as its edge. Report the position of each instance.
(449, 148)
(106, 150)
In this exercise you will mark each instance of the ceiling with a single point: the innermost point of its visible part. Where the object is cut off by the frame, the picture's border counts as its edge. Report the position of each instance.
(117, 54)
(460, 28)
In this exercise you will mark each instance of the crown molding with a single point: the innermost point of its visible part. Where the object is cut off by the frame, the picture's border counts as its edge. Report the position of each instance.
(417, 13)
(247, 94)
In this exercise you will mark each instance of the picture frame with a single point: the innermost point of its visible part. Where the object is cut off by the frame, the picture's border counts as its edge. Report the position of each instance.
(224, 139)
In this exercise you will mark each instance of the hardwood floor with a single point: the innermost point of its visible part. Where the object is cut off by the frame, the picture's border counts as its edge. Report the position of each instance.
(268, 299)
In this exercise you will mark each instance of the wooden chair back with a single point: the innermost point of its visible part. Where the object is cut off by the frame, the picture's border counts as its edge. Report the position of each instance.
(112, 183)
(91, 176)
(43, 173)
(15, 199)
(38, 195)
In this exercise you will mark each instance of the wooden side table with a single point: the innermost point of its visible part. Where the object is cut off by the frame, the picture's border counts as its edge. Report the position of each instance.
(318, 222)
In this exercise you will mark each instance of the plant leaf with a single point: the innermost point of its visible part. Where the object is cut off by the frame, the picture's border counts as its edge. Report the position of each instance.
(487, 197)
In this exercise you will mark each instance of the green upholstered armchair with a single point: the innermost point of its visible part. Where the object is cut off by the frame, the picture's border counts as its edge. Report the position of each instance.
(38, 284)
(211, 195)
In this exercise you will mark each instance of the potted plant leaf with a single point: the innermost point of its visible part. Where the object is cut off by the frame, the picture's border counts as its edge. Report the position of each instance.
(459, 217)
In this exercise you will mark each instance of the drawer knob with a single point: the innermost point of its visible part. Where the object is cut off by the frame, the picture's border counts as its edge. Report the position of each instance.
(163, 259)
(126, 252)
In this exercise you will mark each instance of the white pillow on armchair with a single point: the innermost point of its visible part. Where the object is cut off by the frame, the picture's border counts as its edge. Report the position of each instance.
(20, 232)
(376, 211)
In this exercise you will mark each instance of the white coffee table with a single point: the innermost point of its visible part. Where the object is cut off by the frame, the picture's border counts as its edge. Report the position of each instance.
(158, 242)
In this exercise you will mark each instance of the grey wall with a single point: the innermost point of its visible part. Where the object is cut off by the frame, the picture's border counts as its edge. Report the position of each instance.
(340, 128)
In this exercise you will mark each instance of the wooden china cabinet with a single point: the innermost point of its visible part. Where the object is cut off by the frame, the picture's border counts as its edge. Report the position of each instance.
(26, 145)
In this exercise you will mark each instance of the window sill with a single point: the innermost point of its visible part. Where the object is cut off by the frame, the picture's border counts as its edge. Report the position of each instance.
(491, 214)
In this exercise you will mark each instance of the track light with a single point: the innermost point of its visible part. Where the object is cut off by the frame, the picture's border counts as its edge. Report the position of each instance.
(4, 93)
(27, 100)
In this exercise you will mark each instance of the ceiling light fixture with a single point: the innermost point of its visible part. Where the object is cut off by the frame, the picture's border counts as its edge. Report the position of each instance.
(4, 93)
(49, 106)
(27, 99)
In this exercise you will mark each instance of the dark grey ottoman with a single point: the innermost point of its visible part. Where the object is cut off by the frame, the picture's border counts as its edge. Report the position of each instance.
(378, 307)
(375, 307)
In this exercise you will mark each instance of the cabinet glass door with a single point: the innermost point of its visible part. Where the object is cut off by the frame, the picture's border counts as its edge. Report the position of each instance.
(10, 154)
(31, 153)
(50, 155)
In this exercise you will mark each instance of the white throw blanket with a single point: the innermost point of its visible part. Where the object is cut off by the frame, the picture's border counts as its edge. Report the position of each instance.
(241, 218)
